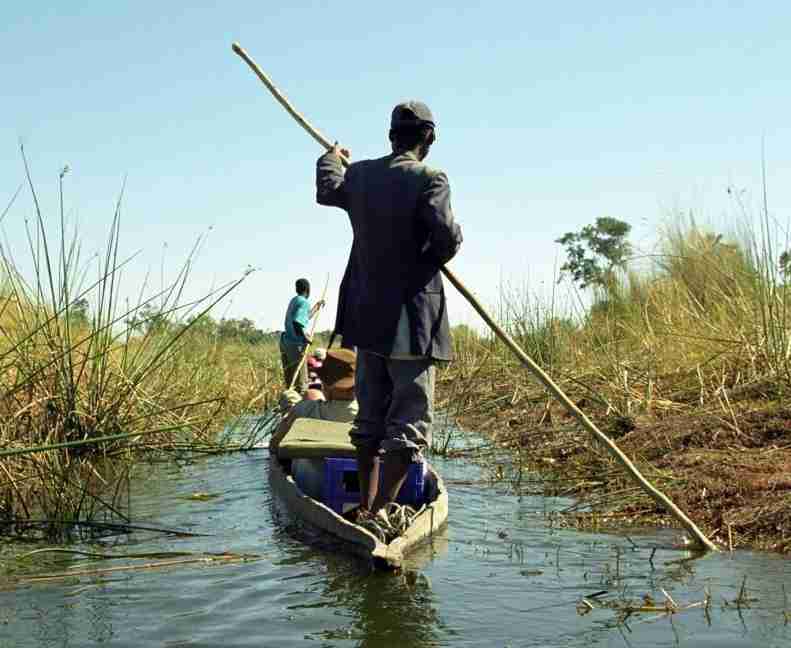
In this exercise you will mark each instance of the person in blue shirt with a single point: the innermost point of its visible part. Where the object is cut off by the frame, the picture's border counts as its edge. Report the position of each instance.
(295, 337)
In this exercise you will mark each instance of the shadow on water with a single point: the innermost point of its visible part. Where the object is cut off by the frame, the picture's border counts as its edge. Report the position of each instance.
(500, 575)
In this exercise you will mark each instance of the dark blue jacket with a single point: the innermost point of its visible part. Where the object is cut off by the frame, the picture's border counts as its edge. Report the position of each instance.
(404, 232)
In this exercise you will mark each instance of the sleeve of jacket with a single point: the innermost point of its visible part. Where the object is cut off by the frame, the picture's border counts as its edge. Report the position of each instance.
(435, 211)
(330, 181)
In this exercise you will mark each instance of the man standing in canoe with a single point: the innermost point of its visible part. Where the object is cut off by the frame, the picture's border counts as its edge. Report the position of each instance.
(392, 303)
(295, 337)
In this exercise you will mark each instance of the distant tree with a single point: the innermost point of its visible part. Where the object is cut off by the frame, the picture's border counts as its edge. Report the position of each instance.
(78, 312)
(204, 325)
(240, 330)
(148, 319)
(593, 253)
(785, 263)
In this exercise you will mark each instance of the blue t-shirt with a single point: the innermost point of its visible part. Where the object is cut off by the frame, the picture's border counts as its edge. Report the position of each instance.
(298, 311)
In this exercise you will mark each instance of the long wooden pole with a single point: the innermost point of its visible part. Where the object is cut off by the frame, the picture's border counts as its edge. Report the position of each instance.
(658, 496)
(75, 444)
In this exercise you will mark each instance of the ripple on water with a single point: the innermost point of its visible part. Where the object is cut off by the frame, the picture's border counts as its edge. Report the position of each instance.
(499, 575)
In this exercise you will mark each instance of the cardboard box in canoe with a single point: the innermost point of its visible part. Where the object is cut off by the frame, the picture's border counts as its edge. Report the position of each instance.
(312, 438)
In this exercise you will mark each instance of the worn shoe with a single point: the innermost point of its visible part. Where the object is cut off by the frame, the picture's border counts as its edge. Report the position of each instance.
(376, 523)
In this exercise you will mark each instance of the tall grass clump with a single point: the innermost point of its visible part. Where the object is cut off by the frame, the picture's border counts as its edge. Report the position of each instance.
(682, 356)
(79, 363)
(709, 313)
(770, 255)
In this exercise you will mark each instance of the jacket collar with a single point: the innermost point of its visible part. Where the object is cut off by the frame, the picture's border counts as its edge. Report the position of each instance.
(407, 154)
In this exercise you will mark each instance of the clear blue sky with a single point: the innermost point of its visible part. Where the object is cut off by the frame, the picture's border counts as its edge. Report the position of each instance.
(550, 115)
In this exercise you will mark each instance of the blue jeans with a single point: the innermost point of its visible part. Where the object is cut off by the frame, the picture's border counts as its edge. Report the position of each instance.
(396, 401)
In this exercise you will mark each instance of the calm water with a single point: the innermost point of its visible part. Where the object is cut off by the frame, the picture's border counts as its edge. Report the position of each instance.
(499, 576)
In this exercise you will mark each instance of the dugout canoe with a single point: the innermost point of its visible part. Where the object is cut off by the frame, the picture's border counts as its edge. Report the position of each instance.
(314, 439)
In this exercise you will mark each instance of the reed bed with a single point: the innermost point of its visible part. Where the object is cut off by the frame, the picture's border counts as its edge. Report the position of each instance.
(79, 363)
(685, 363)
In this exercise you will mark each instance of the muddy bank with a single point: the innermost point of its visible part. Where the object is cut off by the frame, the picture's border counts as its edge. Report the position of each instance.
(728, 468)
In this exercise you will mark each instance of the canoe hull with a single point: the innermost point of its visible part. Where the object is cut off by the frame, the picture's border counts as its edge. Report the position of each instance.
(357, 540)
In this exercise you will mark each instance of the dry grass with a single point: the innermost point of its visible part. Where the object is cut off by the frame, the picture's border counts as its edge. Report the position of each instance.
(78, 363)
(685, 366)
(197, 386)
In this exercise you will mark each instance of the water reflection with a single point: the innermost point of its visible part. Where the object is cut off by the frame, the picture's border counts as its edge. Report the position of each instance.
(472, 587)
(385, 609)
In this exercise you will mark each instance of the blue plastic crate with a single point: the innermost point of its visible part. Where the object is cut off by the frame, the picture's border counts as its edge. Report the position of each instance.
(414, 488)
(341, 484)
(342, 487)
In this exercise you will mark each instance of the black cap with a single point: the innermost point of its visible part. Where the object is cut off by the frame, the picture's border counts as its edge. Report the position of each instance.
(411, 113)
